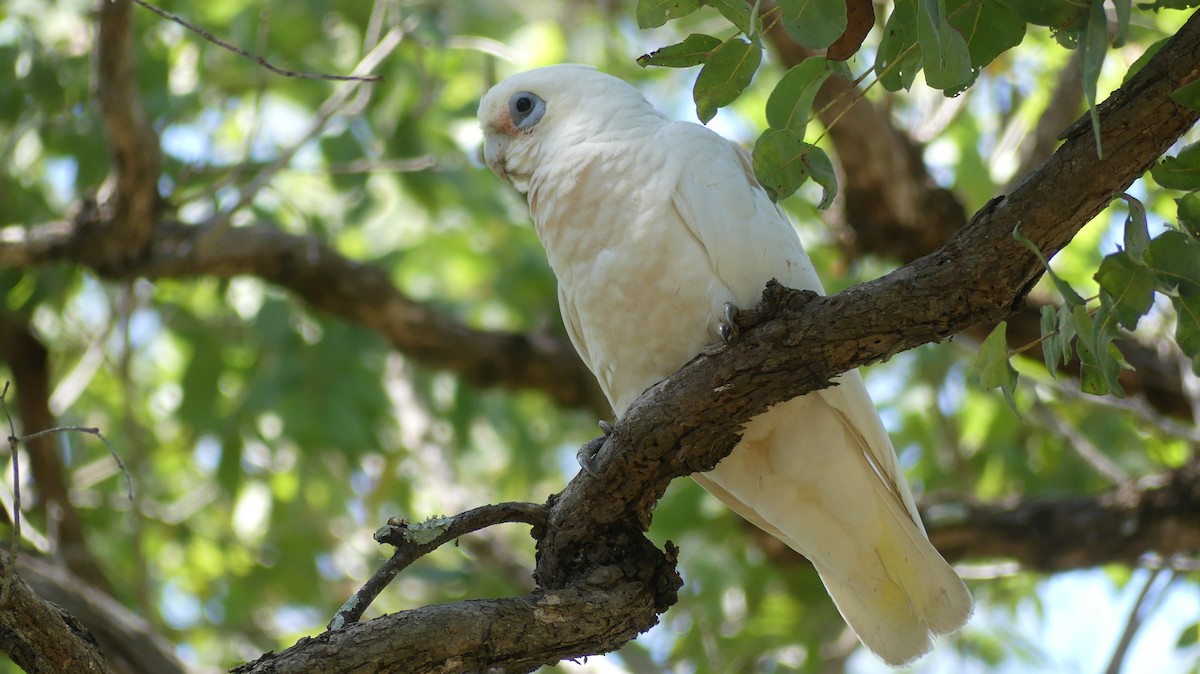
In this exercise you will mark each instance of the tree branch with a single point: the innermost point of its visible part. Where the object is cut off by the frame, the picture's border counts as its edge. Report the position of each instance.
(893, 208)
(127, 639)
(331, 283)
(794, 344)
(42, 638)
(415, 541)
(28, 360)
(250, 55)
(1055, 534)
(132, 143)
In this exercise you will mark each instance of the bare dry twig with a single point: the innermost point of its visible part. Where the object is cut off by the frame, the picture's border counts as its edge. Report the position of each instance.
(415, 541)
(332, 105)
(14, 442)
(1143, 606)
(252, 56)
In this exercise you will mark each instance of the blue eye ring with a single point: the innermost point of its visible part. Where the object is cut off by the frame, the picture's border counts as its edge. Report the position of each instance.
(525, 108)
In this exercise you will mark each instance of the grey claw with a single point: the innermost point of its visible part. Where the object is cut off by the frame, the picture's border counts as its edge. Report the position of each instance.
(727, 328)
(586, 456)
(606, 427)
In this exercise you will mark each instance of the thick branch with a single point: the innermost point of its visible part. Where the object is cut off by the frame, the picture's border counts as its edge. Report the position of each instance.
(1054, 534)
(329, 282)
(793, 345)
(891, 204)
(128, 639)
(472, 636)
(133, 145)
(42, 638)
(978, 276)
(29, 362)
(892, 207)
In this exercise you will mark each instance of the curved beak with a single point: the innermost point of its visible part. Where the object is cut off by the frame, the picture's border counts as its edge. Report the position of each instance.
(494, 146)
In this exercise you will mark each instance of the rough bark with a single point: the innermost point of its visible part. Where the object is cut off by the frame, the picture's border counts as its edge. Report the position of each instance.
(794, 344)
(329, 282)
(891, 206)
(40, 637)
(29, 363)
(1054, 534)
(133, 145)
(127, 639)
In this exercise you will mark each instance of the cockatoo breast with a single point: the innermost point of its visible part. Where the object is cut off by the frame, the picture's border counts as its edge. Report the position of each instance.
(617, 245)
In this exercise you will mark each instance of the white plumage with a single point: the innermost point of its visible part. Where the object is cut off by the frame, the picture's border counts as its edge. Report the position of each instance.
(651, 226)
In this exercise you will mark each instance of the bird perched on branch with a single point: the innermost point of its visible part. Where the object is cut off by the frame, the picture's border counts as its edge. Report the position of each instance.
(655, 229)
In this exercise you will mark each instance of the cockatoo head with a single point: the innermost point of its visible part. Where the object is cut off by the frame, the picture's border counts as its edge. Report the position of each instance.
(533, 115)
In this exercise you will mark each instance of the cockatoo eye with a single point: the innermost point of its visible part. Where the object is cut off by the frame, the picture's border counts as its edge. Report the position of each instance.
(525, 109)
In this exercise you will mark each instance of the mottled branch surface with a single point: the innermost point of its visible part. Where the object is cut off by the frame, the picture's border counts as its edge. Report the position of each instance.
(892, 207)
(794, 344)
(329, 282)
(133, 145)
(40, 637)
(1054, 534)
(128, 639)
(28, 361)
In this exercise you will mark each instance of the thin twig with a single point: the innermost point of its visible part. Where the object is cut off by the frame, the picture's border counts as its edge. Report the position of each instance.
(1143, 606)
(1137, 406)
(13, 442)
(253, 57)
(1083, 446)
(415, 541)
(331, 106)
(365, 165)
(90, 431)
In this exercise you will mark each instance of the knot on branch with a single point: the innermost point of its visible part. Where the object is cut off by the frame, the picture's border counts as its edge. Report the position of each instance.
(776, 298)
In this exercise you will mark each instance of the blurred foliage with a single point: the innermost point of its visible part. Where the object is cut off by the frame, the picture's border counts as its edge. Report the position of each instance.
(268, 442)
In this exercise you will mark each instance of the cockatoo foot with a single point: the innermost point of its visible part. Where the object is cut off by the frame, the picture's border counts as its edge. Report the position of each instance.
(727, 329)
(586, 456)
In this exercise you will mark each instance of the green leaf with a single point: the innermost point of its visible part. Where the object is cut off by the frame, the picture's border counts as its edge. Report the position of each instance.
(1126, 289)
(736, 12)
(1066, 332)
(1093, 46)
(1181, 172)
(1050, 338)
(1189, 636)
(814, 23)
(1058, 14)
(783, 161)
(992, 366)
(1174, 257)
(899, 60)
(821, 169)
(1123, 8)
(1188, 95)
(1188, 210)
(1064, 288)
(1091, 377)
(693, 51)
(654, 13)
(1137, 233)
(725, 74)
(790, 104)
(1187, 326)
(944, 53)
(989, 27)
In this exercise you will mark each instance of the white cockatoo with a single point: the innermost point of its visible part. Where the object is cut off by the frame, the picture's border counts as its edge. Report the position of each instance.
(654, 227)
